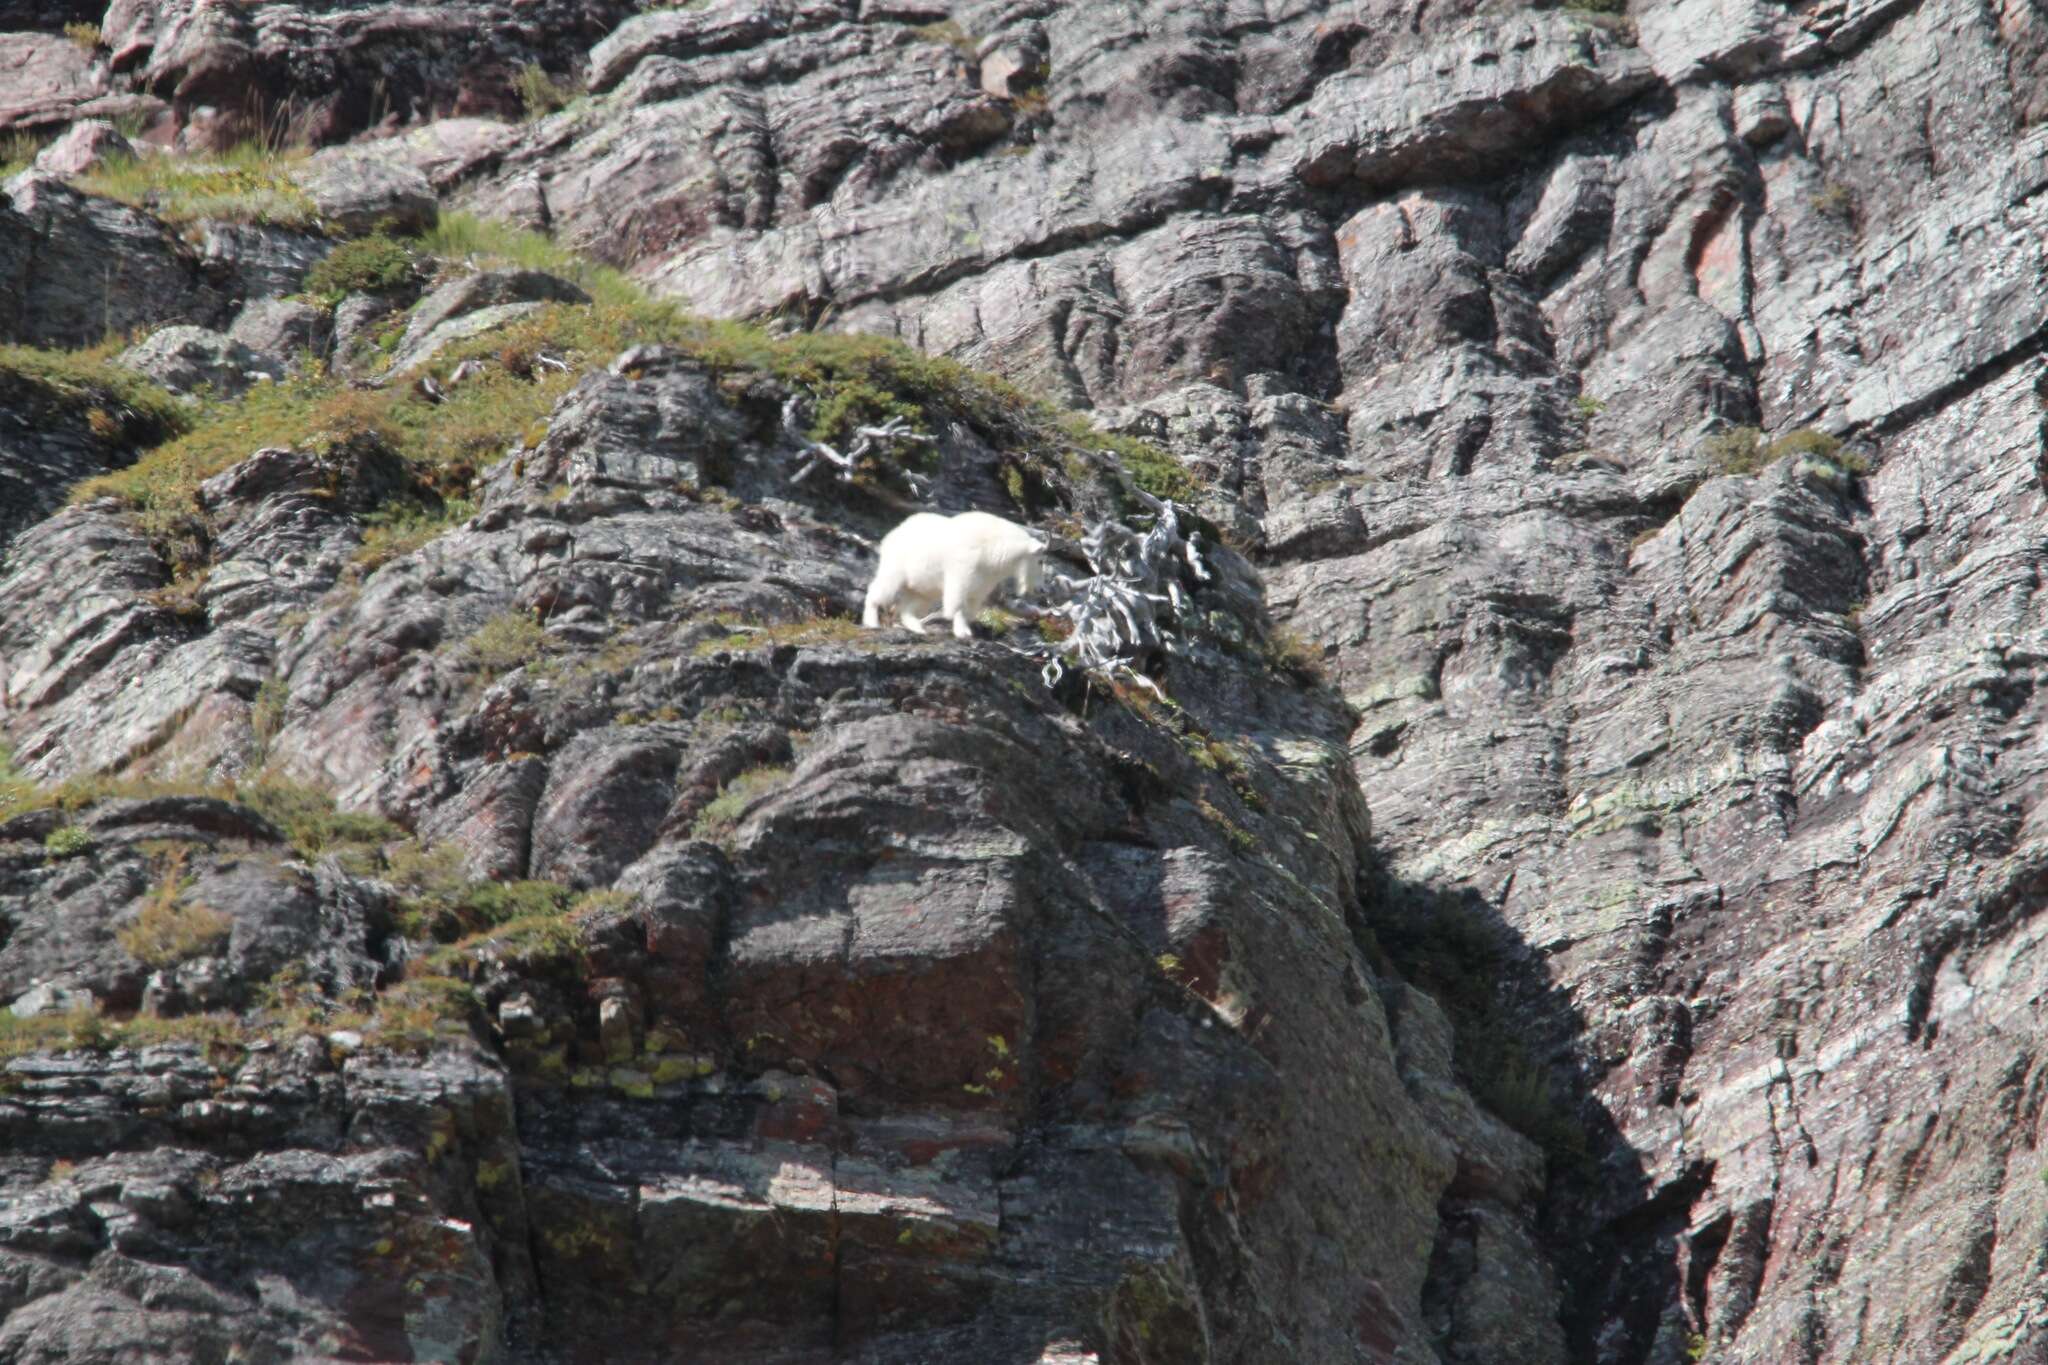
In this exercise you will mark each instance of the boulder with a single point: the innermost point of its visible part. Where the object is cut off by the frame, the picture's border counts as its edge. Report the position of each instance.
(84, 146)
(195, 360)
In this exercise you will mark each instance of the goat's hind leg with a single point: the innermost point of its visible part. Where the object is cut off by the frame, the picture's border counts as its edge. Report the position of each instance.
(912, 609)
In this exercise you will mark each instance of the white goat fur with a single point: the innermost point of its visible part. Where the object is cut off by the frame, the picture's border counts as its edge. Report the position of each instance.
(953, 564)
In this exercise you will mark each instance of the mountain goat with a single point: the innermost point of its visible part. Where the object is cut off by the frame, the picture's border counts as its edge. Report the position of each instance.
(953, 564)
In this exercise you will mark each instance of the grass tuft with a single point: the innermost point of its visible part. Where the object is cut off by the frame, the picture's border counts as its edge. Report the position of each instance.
(1743, 450)
(722, 814)
(116, 404)
(67, 841)
(543, 94)
(250, 183)
(397, 529)
(507, 641)
(169, 930)
(310, 819)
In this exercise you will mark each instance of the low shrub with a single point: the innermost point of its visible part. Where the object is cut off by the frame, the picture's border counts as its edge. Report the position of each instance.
(1836, 201)
(67, 841)
(366, 265)
(505, 642)
(1743, 450)
(114, 403)
(399, 528)
(311, 820)
(168, 930)
(543, 94)
(1739, 450)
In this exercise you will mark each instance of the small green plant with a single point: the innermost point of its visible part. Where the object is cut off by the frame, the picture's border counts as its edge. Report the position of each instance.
(1835, 200)
(366, 265)
(1739, 450)
(169, 931)
(1293, 653)
(266, 713)
(949, 33)
(67, 841)
(1151, 468)
(17, 151)
(1597, 6)
(820, 630)
(543, 94)
(439, 902)
(505, 642)
(115, 404)
(721, 815)
(466, 237)
(18, 791)
(399, 528)
(1589, 407)
(310, 819)
(1807, 441)
(409, 1016)
(86, 36)
(1743, 450)
(1695, 1347)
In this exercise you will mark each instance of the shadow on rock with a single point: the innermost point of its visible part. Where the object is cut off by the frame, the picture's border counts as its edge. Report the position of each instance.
(1521, 1049)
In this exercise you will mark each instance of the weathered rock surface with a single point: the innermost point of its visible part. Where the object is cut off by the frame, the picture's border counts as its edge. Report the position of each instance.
(1717, 791)
(902, 1064)
(472, 305)
(85, 145)
(187, 359)
(77, 267)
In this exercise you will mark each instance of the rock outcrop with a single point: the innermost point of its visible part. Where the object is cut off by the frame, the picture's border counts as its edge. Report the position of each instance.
(1578, 904)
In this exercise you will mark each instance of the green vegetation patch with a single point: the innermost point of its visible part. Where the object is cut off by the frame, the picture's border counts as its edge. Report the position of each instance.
(529, 365)
(250, 183)
(88, 1029)
(366, 265)
(399, 528)
(438, 901)
(68, 841)
(18, 150)
(311, 820)
(721, 815)
(542, 94)
(509, 640)
(484, 242)
(117, 404)
(948, 33)
(822, 630)
(170, 929)
(410, 1016)
(1743, 450)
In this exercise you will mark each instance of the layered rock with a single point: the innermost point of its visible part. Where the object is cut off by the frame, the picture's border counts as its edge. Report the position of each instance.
(1713, 781)
(892, 1060)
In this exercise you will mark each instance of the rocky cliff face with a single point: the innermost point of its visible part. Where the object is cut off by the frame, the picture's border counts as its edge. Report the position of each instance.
(468, 891)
